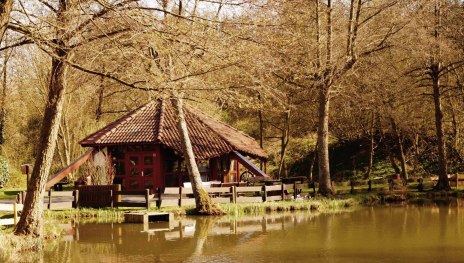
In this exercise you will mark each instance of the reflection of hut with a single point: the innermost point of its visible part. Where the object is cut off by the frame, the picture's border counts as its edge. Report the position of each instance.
(146, 150)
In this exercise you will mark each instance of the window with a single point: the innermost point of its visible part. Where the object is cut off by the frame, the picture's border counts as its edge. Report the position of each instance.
(117, 152)
(147, 172)
(148, 160)
(134, 160)
(134, 172)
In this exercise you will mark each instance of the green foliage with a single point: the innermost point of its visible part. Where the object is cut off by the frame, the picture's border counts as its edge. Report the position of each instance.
(4, 171)
(17, 179)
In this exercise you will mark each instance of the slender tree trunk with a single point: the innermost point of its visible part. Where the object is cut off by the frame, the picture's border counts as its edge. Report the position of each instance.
(203, 202)
(399, 141)
(261, 132)
(31, 221)
(388, 149)
(370, 161)
(101, 91)
(391, 157)
(284, 143)
(455, 123)
(5, 9)
(317, 21)
(325, 186)
(312, 162)
(416, 153)
(435, 70)
(443, 182)
(4, 96)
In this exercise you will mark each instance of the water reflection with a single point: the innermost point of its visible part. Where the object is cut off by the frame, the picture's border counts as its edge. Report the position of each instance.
(386, 234)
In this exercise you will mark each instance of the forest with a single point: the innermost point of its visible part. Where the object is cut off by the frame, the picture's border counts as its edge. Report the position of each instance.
(332, 89)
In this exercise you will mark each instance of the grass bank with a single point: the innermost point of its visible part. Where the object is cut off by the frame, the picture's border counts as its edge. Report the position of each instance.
(25, 248)
(321, 205)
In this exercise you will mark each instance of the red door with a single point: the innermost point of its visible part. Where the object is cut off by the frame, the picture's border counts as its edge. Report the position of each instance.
(140, 170)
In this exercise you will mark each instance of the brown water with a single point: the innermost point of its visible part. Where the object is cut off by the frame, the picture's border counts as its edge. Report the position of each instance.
(384, 234)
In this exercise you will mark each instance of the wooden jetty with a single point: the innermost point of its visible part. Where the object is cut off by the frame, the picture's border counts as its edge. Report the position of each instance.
(145, 217)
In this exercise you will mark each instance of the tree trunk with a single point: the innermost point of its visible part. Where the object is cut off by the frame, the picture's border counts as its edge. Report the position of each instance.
(435, 70)
(284, 143)
(312, 162)
(4, 98)
(101, 91)
(203, 203)
(455, 123)
(370, 161)
(30, 222)
(261, 132)
(443, 182)
(391, 157)
(5, 10)
(399, 141)
(325, 186)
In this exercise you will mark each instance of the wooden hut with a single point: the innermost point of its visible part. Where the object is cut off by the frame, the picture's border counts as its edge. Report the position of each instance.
(146, 151)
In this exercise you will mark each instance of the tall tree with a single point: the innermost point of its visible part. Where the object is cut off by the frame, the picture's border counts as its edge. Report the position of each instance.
(203, 203)
(330, 71)
(30, 222)
(69, 33)
(435, 70)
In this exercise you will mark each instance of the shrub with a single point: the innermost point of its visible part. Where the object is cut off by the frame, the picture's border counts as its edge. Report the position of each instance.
(4, 173)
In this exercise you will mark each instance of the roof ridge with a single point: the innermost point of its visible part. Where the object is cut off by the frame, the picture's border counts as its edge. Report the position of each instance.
(126, 118)
(198, 112)
(110, 128)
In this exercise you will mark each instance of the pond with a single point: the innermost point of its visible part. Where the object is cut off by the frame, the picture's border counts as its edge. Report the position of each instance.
(379, 234)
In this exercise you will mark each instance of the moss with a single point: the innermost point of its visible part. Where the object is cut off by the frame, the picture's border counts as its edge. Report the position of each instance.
(206, 206)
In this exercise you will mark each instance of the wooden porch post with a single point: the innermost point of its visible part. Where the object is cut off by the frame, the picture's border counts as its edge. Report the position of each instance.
(237, 172)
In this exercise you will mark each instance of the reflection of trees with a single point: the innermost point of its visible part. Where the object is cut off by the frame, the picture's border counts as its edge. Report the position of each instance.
(203, 226)
(387, 232)
(443, 215)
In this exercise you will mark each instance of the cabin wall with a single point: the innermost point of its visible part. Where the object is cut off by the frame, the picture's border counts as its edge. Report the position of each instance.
(139, 167)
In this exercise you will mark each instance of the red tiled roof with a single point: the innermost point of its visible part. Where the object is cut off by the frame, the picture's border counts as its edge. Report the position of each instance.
(156, 122)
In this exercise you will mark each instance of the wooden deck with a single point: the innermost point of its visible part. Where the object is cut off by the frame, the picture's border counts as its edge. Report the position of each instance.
(146, 217)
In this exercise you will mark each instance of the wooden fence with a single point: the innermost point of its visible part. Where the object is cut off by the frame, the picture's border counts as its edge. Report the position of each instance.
(112, 195)
(83, 197)
(179, 196)
(457, 180)
(55, 200)
(13, 208)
